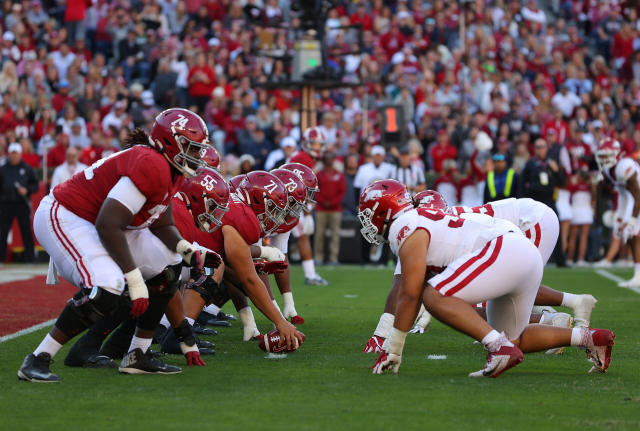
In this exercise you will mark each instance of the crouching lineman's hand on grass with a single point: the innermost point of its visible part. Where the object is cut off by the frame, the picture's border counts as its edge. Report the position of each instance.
(193, 358)
(289, 335)
(138, 292)
(387, 361)
(198, 258)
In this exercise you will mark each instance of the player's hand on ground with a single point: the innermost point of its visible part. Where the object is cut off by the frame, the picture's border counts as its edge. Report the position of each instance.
(271, 254)
(374, 345)
(387, 361)
(289, 335)
(193, 358)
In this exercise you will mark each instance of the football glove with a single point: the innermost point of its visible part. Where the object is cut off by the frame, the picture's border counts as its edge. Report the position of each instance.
(198, 258)
(387, 361)
(138, 292)
(374, 345)
(271, 254)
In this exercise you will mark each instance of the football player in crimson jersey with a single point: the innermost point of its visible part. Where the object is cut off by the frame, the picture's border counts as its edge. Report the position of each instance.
(256, 209)
(206, 196)
(296, 201)
(539, 223)
(109, 225)
(624, 173)
(484, 259)
(305, 226)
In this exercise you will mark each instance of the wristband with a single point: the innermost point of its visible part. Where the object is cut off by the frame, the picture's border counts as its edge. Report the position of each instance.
(396, 341)
(185, 348)
(137, 287)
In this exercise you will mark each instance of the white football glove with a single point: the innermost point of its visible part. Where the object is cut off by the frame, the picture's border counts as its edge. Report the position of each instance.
(387, 361)
(271, 254)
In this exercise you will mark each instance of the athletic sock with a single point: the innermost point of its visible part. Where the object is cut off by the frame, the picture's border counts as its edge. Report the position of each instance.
(164, 321)
(287, 297)
(190, 320)
(142, 343)
(48, 345)
(384, 325)
(246, 316)
(636, 270)
(580, 336)
(213, 309)
(569, 300)
(309, 268)
(494, 340)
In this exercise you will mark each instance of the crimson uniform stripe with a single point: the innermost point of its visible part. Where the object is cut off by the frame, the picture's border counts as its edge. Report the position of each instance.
(86, 278)
(462, 268)
(538, 234)
(478, 270)
(528, 234)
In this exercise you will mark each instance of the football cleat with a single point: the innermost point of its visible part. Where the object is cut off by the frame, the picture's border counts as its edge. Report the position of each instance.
(36, 369)
(297, 320)
(316, 281)
(374, 345)
(598, 349)
(559, 320)
(604, 263)
(100, 361)
(137, 362)
(224, 316)
(582, 311)
(201, 330)
(500, 361)
(634, 282)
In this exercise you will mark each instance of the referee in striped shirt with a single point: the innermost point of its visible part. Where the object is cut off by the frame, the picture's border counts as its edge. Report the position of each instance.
(409, 175)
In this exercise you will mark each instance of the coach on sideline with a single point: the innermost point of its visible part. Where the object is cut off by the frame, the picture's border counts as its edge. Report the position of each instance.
(17, 182)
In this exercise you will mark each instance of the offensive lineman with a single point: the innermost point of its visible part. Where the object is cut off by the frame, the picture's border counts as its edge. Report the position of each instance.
(109, 225)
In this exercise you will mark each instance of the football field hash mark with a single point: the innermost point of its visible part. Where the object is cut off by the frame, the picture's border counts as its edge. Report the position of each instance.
(437, 357)
(350, 296)
(276, 356)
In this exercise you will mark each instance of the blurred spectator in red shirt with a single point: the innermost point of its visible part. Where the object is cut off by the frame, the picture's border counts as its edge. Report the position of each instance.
(201, 80)
(57, 155)
(441, 151)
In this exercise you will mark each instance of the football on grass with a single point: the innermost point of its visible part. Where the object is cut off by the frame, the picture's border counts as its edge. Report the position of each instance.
(270, 342)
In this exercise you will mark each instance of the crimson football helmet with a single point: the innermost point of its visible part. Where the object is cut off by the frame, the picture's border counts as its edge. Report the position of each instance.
(207, 197)
(266, 196)
(430, 199)
(296, 194)
(380, 203)
(307, 176)
(608, 153)
(235, 182)
(182, 137)
(313, 142)
(212, 158)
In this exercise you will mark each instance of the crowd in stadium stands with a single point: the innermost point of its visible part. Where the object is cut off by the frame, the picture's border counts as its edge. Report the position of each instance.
(544, 84)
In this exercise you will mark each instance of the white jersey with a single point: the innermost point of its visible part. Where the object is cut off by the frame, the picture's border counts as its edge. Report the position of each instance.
(524, 213)
(450, 236)
(619, 175)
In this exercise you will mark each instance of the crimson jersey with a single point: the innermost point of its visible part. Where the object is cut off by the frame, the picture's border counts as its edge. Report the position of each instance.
(239, 216)
(302, 157)
(85, 192)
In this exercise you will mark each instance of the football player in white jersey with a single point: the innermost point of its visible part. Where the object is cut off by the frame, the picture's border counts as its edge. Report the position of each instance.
(484, 259)
(539, 224)
(624, 173)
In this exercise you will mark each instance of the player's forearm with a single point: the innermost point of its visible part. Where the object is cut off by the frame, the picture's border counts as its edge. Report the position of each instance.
(257, 292)
(406, 311)
(114, 241)
(169, 235)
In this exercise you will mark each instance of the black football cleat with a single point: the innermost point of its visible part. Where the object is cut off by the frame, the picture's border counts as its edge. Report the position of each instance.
(219, 323)
(224, 316)
(137, 362)
(201, 330)
(204, 317)
(100, 361)
(206, 351)
(36, 369)
(204, 344)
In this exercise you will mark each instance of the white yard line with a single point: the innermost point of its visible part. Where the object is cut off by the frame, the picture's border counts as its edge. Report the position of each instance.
(27, 330)
(606, 274)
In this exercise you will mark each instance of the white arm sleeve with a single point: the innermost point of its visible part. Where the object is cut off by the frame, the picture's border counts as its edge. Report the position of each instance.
(128, 195)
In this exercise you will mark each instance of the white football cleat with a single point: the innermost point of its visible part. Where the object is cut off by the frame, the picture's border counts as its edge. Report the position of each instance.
(249, 333)
(634, 282)
(604, 263)
(582, 311)
(559, 320)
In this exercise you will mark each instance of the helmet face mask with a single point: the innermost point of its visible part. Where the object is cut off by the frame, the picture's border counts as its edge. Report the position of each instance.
(211, 219)
(606, 159)
(313, 142)
(189, 158)
(272, 217)
(380, 203)
(369, 231)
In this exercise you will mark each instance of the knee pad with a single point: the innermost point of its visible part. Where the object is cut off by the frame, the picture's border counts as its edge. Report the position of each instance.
(86, 308)
(211, 291)
(167, 282)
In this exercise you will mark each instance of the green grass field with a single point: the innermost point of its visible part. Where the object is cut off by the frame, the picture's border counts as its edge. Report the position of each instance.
(327, 385)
